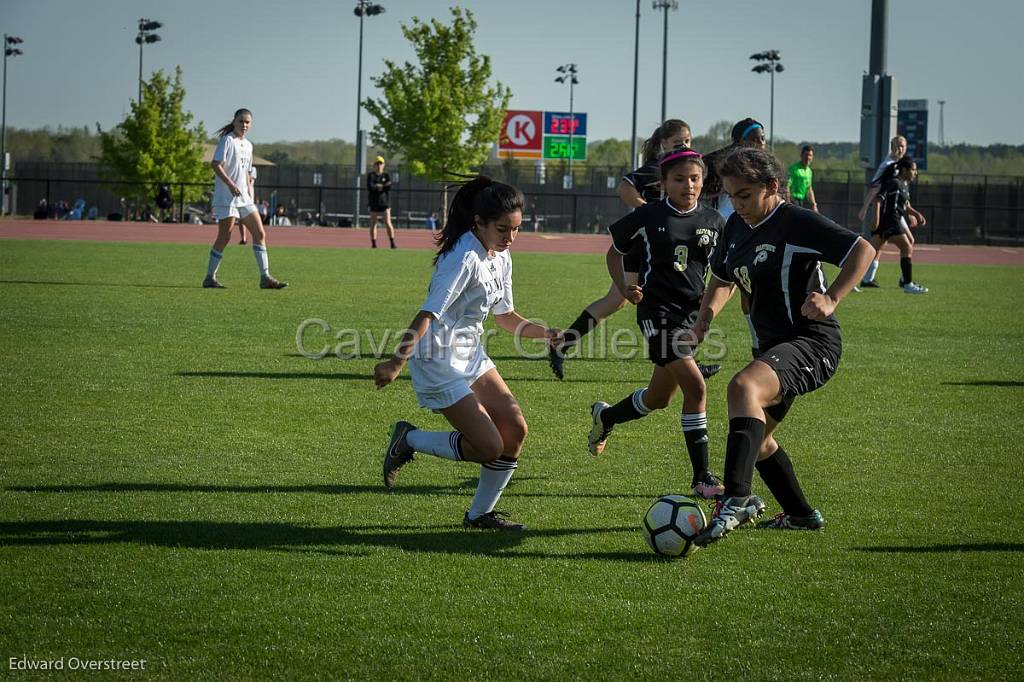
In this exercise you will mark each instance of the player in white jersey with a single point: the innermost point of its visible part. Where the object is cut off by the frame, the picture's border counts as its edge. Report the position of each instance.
(234, 175)
(451, 372)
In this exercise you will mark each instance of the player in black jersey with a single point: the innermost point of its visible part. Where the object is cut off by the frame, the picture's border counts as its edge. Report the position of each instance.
(894, 216)
(773, 252)
(675, 237)
(638, 187)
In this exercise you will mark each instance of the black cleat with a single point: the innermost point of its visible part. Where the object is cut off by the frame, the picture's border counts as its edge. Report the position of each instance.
(398, 453)
(212, 283)
(269, 282)
(708, 371)
(494, 520)
(557, 361)
(872, 284)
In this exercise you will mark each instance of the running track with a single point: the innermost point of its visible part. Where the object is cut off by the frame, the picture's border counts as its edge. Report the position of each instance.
(348, 238)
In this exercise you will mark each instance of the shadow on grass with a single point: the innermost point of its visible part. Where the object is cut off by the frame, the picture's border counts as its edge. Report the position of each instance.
(100, 284)
(465, 487)
(985, 382)
(290, 537)
(941, 549)
(368, 377)
(377, 356)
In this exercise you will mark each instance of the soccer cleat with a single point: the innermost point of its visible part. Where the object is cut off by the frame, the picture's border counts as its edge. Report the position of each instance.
(556, 360)
(914, 288)
(493, 520)
(707, 486)
(870, 284)
(708, 371)
(857, 289)
(399, 453)
(268, 282)
(212, 283)
(784, 521)
(730, 513)
(598, 431)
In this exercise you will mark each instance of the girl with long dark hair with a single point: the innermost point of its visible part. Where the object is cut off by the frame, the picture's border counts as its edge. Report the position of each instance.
(451, 372)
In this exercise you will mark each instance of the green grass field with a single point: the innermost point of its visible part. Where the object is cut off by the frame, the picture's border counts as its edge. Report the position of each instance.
(178, 484)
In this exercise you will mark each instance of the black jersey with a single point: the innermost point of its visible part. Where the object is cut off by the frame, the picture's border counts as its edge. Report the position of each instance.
(675, 248)
(378, 185)
(712, 181)
(895, 195)
(776, 264)
(647, 181)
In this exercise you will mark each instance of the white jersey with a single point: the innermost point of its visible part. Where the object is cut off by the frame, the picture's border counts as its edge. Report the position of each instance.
(466, 285)
(235, 154)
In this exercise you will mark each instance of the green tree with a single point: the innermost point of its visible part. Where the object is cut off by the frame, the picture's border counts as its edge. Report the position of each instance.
(442, 115)
(156, 143)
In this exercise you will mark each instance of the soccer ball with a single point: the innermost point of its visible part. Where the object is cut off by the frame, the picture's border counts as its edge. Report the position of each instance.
(671, 524)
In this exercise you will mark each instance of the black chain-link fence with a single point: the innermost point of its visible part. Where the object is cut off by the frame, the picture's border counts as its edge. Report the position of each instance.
(960, 209)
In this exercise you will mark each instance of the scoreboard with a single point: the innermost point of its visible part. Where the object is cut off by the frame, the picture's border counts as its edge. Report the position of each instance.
(544, 135)
(912, 123)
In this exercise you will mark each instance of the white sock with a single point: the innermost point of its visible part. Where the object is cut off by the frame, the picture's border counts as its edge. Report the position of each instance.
(211, 267)
(872, 269)
(693, 421)
(494, 476)
(260, 251)
(443, 444)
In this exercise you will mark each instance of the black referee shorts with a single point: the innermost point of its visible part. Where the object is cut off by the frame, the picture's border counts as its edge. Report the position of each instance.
(802, 365)
(668, 335)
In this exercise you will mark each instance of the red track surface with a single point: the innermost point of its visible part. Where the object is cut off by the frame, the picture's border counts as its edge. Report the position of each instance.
(348, 238)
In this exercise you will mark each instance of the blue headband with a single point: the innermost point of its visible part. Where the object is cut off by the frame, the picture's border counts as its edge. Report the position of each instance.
(750, 128)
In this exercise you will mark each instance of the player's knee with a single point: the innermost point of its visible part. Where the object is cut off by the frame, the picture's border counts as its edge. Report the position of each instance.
(513, 436)
(742, 387)
(491, 448)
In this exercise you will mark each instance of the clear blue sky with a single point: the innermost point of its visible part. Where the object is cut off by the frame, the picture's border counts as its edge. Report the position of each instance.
(294, 63)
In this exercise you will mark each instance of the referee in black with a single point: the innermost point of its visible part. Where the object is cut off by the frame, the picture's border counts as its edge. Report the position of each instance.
(773, 251)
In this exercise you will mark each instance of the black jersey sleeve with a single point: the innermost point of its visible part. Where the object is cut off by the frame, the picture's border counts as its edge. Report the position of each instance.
(626, 231)
(716, 263)
(815, 231)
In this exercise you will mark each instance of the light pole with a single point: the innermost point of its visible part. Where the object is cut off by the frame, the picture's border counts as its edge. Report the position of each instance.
(568, 72)
(636, 68)
(942, 127)
(363, 8)
(769, 64)
(665, 5)
(145, 37)
(9, 51)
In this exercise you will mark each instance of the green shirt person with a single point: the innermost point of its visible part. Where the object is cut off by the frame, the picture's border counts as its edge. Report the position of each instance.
(801, 178)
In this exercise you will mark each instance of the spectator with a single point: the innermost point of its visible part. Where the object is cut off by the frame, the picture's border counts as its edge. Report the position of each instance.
(42, 211)
(431, 221)
(280, 218)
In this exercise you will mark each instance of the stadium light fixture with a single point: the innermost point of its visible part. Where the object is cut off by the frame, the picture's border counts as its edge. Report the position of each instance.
(569, 72)
(665, 6)
(145, 36)
(9, 51)
(363, 8)
(769, 63)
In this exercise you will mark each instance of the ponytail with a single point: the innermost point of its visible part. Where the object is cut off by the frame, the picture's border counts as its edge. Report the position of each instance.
(231, 124)
(480, 196)
(652, 147)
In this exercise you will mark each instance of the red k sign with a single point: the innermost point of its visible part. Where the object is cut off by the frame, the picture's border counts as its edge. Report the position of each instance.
(521, 130)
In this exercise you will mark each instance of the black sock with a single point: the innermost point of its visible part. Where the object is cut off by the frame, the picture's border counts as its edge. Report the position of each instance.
(907, 269)
(777, 473)
(374, 243)
(392, 243)
(695, 433)
(583, 325)
(745, 435)
(626, 410)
